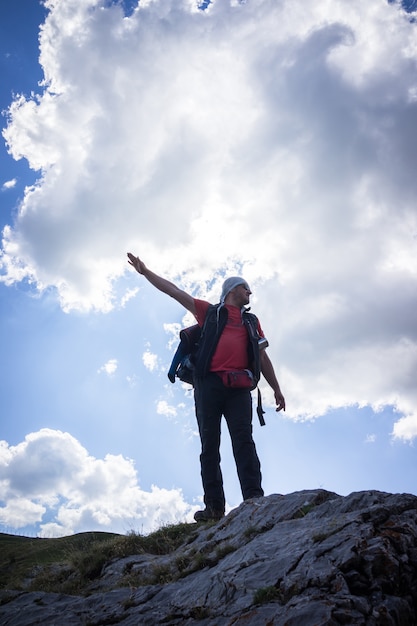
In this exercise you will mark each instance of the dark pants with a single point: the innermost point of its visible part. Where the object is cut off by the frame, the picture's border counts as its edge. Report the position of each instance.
(212, 400)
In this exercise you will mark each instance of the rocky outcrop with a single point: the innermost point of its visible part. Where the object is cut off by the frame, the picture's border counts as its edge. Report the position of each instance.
(311, 557)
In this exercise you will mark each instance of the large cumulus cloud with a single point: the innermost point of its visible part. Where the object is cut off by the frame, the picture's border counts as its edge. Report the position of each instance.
(50, 481)
(273, 138)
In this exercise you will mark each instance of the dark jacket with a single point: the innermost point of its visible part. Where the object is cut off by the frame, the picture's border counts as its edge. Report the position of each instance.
(214, 323)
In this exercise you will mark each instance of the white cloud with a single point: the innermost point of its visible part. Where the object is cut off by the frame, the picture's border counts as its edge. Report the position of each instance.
(109, 368)
(163, 408)
(173, 331)
(132, 380)
(150, 360)
(9, 184)
(130, 293)
(406, 428)
(21, 512)
(276, 140)
(50, 475)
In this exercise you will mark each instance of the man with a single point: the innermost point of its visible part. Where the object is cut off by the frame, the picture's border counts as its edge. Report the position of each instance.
(229, 344)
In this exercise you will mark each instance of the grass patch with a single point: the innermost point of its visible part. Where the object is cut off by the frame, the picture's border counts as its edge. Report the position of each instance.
(66, 564)
(254, 531)
(265, 595)
(19, 555)
(303, 511)
(72, 564)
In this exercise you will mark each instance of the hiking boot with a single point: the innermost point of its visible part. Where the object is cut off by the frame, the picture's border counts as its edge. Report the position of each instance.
(208, 515)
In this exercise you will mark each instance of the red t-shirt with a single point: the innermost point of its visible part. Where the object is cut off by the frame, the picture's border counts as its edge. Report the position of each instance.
(231, 352)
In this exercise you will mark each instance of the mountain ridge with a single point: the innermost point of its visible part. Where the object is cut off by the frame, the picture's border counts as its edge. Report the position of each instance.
(310, 557)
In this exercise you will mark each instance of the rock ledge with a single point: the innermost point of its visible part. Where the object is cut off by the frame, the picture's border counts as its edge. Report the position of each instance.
(310, 557)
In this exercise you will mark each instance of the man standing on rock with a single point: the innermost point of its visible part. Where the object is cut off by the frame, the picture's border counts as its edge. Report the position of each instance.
(228, 350)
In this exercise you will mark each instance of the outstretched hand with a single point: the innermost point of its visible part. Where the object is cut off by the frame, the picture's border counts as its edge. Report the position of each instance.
(135, 262)
(280, 400)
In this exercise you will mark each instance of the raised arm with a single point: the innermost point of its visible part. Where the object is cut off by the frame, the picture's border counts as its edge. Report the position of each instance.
(162, 284)
(268, 372)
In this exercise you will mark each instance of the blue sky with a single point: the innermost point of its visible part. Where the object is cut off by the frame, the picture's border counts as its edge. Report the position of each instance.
(269, 139)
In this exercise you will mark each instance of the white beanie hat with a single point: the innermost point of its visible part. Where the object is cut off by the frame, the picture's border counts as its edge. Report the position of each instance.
(229, 284)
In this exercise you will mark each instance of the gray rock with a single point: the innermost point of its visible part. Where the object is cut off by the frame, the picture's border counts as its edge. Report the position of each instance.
(307, 558)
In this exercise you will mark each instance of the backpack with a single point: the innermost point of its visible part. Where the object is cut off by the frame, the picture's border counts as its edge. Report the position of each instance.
(182, 364)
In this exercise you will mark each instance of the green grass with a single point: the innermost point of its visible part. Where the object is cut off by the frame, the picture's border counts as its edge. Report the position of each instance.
(19, 555)
(80, 557)
(264, 595)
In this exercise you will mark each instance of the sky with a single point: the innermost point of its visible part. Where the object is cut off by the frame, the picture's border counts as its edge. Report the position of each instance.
(276, 140)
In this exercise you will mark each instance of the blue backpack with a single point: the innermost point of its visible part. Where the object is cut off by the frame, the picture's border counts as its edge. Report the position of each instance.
(182, 365)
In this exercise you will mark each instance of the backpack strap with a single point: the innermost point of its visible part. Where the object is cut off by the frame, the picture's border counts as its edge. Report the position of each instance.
(252, 327)
(188, 339)
(214, 323)
(178, 356)
(259, 409)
